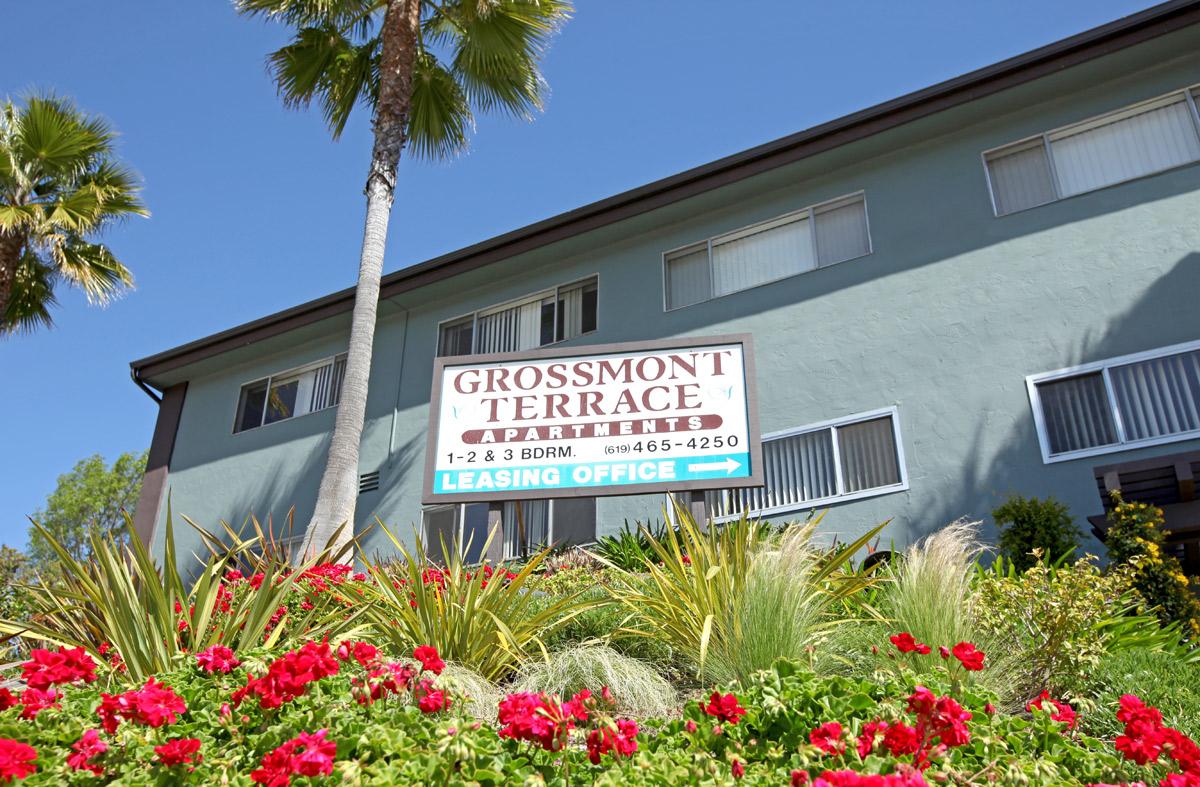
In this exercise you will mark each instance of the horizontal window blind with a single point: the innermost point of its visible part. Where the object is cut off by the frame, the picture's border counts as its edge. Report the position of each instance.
(1125, 401)
(1129, 143)
(805, 466)
(761, 253)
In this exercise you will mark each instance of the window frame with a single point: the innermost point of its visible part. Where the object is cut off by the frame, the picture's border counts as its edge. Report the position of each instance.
(1103, 367)
(892, 411)
(295, 370)
(460, 522)
(808, 213)
(537, 295)
(1083, 126)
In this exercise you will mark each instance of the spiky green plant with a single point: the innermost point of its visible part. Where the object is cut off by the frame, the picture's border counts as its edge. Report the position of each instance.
(488, 627)
(930, 590)
(127, 599)
(698, 577)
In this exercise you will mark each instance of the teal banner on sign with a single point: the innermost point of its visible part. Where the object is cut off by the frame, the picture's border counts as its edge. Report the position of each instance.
(663, 470)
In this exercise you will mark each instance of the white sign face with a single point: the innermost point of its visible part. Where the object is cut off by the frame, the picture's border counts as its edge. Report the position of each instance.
(665, 416)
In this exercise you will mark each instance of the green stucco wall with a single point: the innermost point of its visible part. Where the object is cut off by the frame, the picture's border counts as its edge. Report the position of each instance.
(943, 320)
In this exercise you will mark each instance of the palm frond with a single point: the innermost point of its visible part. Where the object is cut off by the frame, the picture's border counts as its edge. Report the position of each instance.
(92, 268)
(440, 118)
(32, 297)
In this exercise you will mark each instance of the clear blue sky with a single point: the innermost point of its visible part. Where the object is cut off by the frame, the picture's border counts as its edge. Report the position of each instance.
(255, 209)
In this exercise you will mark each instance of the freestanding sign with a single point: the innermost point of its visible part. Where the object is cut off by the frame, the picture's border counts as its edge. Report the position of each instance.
(613, 419)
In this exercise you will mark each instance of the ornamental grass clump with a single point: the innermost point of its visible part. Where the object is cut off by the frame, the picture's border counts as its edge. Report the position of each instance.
(929, 588)
(639, 690)
(714, 594)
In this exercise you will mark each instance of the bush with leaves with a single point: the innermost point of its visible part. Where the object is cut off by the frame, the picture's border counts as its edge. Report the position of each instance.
(1057, 624)
(1027, 524)
(1136, 537)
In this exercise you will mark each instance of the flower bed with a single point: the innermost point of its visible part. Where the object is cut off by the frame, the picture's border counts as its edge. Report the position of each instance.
(348, 713)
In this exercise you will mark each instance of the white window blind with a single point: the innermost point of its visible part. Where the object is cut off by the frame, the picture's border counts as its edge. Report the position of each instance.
(1143, 139)
(823, 234)
(841, 231)
(746, 259)
(1021, 177)
(849, 458)
(1137, 400)
(512, 329)
(688, 276)
(561, 313)
(290, 394)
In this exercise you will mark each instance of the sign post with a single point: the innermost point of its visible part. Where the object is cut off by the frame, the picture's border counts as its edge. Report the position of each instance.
(618, 419)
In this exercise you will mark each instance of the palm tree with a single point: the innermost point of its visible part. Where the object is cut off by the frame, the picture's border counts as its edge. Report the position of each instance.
(422, 68)
(60, 186)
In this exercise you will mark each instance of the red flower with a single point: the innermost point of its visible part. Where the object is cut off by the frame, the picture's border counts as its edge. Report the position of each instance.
(971, 658)
(943, 651)
(866, 739)
(315, 754)
(428, 656)
(179, 751)
(902, 739)
(619, 740)
(217, 658)
(47, 668)
(724, 707)
(363, 652)
(36, 700)
(153, 705)
(430, 700)
(905, 643)
(852, 779)
(288, 676)
(306, 755)
(7, 699)
(1062, 711)
(86, 749)
(828, 738)
(535, 718)
(799, 778)
(737, 768)
(16, 759)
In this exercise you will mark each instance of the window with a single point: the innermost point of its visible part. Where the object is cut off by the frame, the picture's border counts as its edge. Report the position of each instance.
(290, 394)
(852, 457)
(1149, 137)
(533, 321)
(820, 235)
(524, 527)
(1135, 400)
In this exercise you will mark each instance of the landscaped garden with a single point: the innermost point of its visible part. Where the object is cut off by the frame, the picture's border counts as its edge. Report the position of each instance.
(740, 654)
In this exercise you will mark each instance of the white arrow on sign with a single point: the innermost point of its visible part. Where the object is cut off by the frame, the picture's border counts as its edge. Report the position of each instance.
(729, 465)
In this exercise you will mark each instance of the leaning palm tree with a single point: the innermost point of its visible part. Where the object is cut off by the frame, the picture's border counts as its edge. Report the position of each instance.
(422, 68)
(60, 186)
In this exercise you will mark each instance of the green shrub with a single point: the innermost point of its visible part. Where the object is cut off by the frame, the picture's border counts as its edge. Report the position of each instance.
(1029, 524)
(639, 690)
(1136, 537)
(1059, 623)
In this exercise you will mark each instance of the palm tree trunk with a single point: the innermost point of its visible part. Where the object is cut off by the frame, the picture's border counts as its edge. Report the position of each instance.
(339, 484)
(12, 244)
